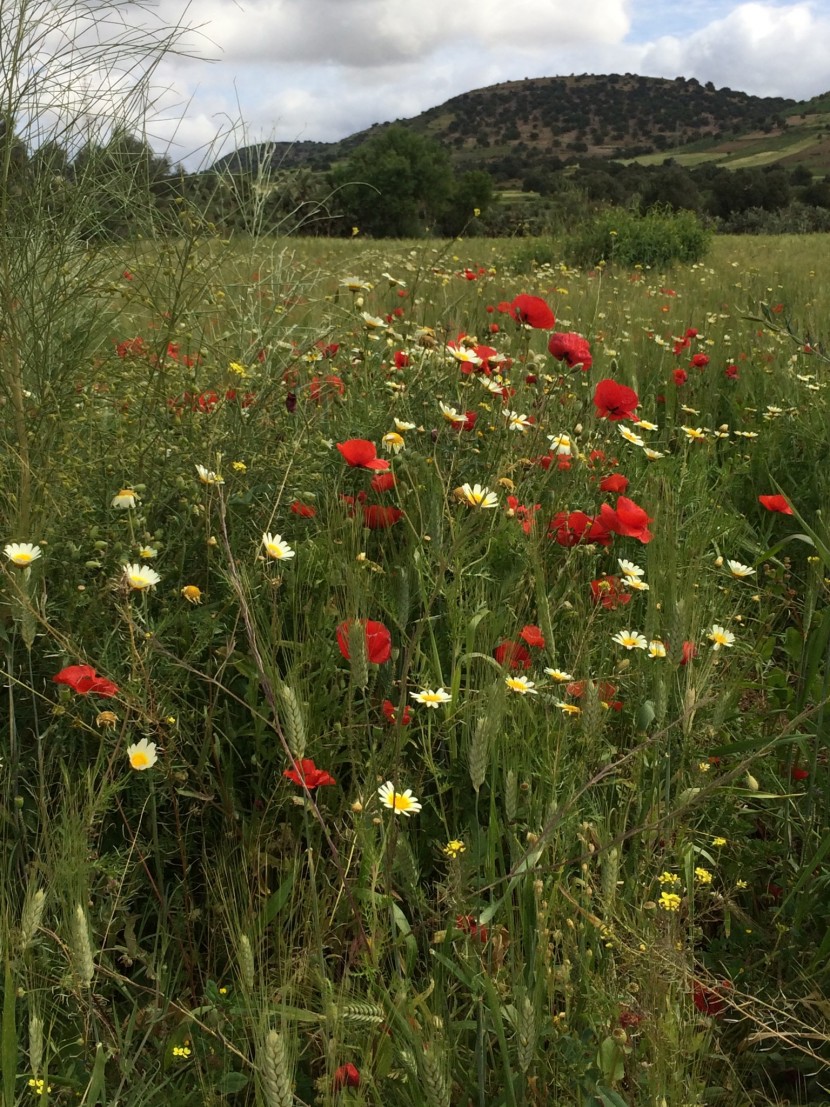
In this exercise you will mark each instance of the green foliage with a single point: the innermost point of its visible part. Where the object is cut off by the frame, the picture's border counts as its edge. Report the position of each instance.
(659, 238)
(398, 184)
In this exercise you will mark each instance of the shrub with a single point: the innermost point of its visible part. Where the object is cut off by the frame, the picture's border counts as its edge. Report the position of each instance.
(660, 237)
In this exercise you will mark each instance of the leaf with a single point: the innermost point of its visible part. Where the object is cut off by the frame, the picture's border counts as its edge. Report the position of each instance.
(8, 1044)
(610, 1061)
(232, 1082)
(645, 716)
(608, 1097)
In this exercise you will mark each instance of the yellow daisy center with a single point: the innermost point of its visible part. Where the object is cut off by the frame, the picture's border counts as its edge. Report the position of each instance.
(139, 760)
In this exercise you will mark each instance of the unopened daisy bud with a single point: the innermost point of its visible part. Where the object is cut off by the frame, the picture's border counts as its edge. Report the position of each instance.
(752, 783)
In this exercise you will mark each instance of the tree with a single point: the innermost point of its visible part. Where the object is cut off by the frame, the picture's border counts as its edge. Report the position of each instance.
(396, 185)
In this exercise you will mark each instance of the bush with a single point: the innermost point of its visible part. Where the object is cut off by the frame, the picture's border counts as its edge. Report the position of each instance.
(657, 238)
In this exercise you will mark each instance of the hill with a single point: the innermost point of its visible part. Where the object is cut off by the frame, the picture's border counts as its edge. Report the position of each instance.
(546, 122)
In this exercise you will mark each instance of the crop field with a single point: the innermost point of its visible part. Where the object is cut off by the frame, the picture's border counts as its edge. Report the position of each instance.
(416, 662)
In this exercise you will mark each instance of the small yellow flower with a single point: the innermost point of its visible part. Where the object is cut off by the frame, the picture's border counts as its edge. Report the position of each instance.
(237, 369)
(239, 467)
(671, 879)
(703, 876)
(38, 1086)
(741, 884)
(669, 901)
(192, 593)
(453, 848)
(703, 766)
(181, 1051)
(718, 841)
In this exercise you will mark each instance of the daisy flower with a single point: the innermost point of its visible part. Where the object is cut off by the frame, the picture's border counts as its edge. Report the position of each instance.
(559, 675)
(629, 569)
(719, 637)
(656, 648)
(449, 413)
(646, 426)
(737, 569)
(276, 547)
(478, 496)
(402, 426)
(652, 455)
(568, 708)
(464, 355)
(372, 322)
(521, 685)
(140, 577)
(22, 554)
(125, 499)
(356, 284)
(207, 476)
(630, 640)
(517, 422)
(560, 443)
(629, 435)
(392, 442)
(429, 698)
(402, 803)
(142, 755)
(192, 593)
(694, 434)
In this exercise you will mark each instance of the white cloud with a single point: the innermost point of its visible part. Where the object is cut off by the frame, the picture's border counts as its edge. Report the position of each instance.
(762, 48)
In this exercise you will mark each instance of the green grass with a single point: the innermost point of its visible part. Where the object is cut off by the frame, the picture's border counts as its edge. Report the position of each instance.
(211, 932)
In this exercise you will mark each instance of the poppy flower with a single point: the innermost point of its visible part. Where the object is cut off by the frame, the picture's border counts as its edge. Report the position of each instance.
(85, 681)
(688, 652)
(707, 1000)
(605, 691)
(608, 591)
(533, 311)
(305, 772)
(680, 377)
(731, 372)
(359, 453)
(700, 361)
(533, 636)
(391, 713)
(776, 503)
(572, 348)
(346, 1076)
(378, 641)
(615, 401)
(470, 925)
(326, 387)
(379, 517)
(383, 482)
(304, 510)
(615, 482)
(569, 529)
(627, 519)
(512, 655)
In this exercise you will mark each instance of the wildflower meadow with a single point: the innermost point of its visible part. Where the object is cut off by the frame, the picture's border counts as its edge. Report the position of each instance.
(415, 664)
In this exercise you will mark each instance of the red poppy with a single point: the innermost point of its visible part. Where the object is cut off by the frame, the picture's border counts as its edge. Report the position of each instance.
(131, 347)
(608, 591)
(615, 401)
(379, 517)
(470, 925)
(391, 713)
(731, 372)
(616, 482)
(692, 332)
(522, 512)
(533, 636)
(467, 423)
(568, 529)
(383, 482)
(305, 772)
(680, 345)
(572, 348)
(326, 387)
(361, 454)
(776, 503)
(346, 1076)
(799, 774)
(680, 377)
(85, 681)
(700, 361)
(605, 692)
(688, 652)
(401, 359)
(512, 655)
(707, 1000)
(627, 519)
(533, 311)
(378, 641)
(305, 510)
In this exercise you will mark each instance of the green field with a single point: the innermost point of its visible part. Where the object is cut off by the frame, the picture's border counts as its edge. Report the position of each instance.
(449, 730)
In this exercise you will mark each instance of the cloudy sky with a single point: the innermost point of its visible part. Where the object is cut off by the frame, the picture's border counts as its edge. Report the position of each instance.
(322, 69)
